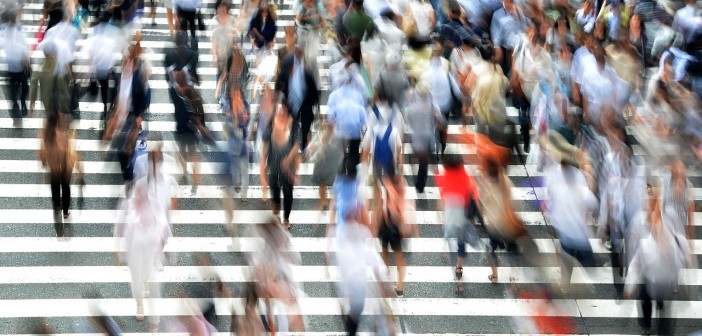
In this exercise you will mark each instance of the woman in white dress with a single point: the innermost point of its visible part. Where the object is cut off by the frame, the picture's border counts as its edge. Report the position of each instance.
(146, 230)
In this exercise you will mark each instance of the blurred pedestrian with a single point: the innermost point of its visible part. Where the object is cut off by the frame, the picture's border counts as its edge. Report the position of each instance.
(327, 155)
(16, 49)
(279, 163)
(58, 154)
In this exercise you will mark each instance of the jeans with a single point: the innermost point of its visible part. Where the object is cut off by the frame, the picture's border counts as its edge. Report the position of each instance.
(287, 190)
(239, 168)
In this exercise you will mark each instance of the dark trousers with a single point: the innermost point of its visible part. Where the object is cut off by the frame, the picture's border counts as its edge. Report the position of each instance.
(352, 155)
(421, 180)
(522, 105)
(61, 191)
(187, 20)
(305, 129)
(19, 88)
(664, 323)
(287, 190)
(356, 303)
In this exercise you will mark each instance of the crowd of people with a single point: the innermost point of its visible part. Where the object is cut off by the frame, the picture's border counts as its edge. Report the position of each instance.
(601, 97)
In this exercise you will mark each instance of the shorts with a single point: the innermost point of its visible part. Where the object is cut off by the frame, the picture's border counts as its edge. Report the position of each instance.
(389, 235)
(187, 143)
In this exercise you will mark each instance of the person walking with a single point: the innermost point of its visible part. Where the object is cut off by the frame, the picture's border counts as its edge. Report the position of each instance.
(146, 231)
(187, 15)
(58, 155)
(279, 163)
(423, 116)
(17, 58)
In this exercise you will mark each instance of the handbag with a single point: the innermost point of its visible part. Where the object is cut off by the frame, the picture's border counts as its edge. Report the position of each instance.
(39, 35)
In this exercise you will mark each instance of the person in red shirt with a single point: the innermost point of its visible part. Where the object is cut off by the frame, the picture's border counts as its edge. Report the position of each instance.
(458, 190)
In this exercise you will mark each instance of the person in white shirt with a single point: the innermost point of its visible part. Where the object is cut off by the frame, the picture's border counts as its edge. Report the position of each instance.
(570, 203)
(187, 14)
(14, 43)
(105, 41)
(357, 260)
(661, 256)
(599, 89)
(443, 86)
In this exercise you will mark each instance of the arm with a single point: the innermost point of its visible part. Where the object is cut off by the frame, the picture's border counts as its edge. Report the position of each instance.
(33, 93)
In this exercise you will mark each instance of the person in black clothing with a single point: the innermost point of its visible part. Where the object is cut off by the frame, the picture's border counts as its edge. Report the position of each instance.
(301, 108)
(181, 57)
(53, 9)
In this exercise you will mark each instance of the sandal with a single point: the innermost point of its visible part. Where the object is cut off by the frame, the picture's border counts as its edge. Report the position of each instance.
(286, 224)
(459, 272)
(492, 278)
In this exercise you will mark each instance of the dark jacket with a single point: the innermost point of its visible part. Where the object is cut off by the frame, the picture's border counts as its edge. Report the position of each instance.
(282, 85)
(180, 57)
(268, 30)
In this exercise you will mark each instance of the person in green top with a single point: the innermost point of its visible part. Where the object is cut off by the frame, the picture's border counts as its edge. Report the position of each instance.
(356, 20)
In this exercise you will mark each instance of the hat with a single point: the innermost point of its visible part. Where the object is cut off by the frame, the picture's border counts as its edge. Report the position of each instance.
(561, 151)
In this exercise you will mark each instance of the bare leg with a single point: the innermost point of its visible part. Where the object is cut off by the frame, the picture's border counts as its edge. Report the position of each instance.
(400, 260)
(322, 196)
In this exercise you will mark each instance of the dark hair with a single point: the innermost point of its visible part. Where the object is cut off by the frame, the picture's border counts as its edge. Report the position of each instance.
(452, 161)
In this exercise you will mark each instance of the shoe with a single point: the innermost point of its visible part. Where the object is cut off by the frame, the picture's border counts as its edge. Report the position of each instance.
(399, 292)
(244, 200)
(140, 313)
(493, 278)
(286, 224)
(66, 215)
(459, 273)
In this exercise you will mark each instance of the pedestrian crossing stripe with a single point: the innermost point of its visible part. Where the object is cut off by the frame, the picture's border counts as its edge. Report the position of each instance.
(330, 306)
(314, 274)
(247, 244)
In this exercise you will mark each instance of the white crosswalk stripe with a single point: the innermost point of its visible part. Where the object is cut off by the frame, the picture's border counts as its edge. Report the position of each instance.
(42, 276)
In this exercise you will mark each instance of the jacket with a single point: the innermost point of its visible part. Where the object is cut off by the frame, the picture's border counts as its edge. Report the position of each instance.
(311, 93)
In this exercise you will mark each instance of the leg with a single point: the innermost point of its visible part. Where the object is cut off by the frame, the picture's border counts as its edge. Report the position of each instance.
(421, 180)
(275, 195)
(14, 79)
(56, 202)
(401, 268)
(287, 201)
(104, 92)
(305, 127)
(647, 308)
(354, 154)
(322, 196)
(66, 193)
(244, 169)
(566, 261)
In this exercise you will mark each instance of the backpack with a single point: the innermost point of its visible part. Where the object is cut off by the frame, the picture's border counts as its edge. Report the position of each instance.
(383, 155)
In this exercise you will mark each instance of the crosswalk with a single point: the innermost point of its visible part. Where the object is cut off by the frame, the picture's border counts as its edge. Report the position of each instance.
(43, 277)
